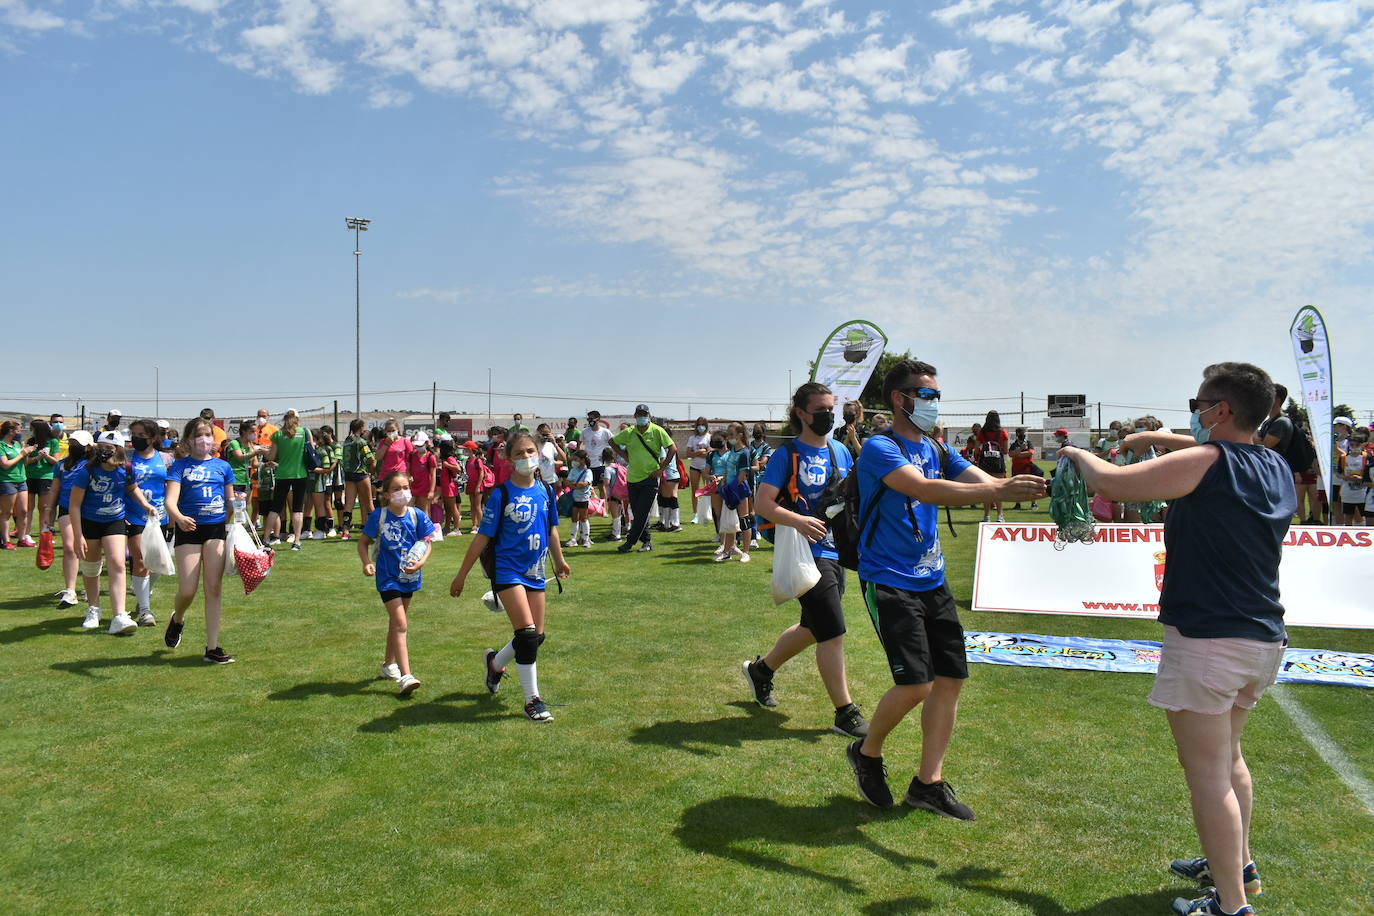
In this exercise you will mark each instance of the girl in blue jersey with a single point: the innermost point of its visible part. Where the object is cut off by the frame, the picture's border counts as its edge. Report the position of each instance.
(64, 478)
(200, 490)
(100, 495)
(402, 534)
(580, 479)
(520, 516)
(148, 472)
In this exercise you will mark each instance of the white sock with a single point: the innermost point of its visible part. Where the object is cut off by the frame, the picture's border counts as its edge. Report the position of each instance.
(141, 588)
(586, 529)
(504, 656)
(529, 680)
(676, 513)
(615, 527)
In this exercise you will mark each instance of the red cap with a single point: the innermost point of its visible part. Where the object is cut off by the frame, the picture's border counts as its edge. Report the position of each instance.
(470, 445)
(1062, 432)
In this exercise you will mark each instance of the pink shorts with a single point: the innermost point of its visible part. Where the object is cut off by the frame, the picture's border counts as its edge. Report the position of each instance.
(1210, 676)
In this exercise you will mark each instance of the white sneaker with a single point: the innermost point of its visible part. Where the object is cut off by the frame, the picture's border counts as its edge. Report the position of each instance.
(333, 533)
(146, 618)
(1001, 518)
(121, 623)
(390, 672)
(571, 542)
(587, 542)
(65, 599)
(720, 557)
(407, 684)
(92, 620)
(743, 557)
(318, 535)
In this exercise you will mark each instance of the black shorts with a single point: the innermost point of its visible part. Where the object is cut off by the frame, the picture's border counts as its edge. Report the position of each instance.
(920, 632)
(94, 531)
(1347, 508)
(392, 594)
(598, 476)
(63, 510)
(40, 485)
(498, 589)
(580, 505)
(297, 488)
(133, 530)
(202, 534)
(822, 608)
(354, 478)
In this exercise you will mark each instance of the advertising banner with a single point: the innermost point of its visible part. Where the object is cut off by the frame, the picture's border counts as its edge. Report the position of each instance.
(1130, 656)
(1018, 569)
(847, 359)
(1308, 333)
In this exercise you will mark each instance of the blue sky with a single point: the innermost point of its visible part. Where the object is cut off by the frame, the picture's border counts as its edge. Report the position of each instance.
(624, 199)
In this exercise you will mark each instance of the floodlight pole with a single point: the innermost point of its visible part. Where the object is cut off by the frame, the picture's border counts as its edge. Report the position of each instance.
(359, 226)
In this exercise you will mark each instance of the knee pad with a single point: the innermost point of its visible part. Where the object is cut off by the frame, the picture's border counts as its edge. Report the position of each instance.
(347, 519)
(92, 568)
(664, 502)
(526, 644)
(541, 639)
(746, 522)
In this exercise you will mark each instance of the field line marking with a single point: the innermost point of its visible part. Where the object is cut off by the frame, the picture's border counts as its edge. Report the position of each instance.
(1325, 747)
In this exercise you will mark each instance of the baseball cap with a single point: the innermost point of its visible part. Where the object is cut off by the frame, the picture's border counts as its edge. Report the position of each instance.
(642, 410)
(116, 412)
(1346, 420)
(470, 445)
(112, 435)
(81, 436)
(1062, 432)
(164, 424)
(419, 438)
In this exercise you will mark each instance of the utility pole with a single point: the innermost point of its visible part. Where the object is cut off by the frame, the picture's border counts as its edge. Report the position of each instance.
(359, 226)
(1023, 408)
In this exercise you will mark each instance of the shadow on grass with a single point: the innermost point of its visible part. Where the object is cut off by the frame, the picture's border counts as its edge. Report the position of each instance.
(329, 689)
(70, 625)
(30, 603)
(898, 907)
(977, 880)
(476, 707)
(759, 724)
(723, 826)
(88, 667)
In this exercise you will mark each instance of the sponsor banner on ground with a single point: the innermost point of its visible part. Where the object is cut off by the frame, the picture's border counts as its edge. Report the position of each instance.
(1300, 666)
(1020, 569)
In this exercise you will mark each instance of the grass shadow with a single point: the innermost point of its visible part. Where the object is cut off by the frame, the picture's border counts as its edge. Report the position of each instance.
(759, 724)
(88, 666)
(477, 707)
(977, 880)
(69, 625)
(723, 826)
(328, 689)
(898, 907)
(32, 602)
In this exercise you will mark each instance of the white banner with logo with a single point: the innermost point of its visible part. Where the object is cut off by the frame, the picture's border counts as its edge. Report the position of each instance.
(1325, 576)
(847, 359)
(1308, 333)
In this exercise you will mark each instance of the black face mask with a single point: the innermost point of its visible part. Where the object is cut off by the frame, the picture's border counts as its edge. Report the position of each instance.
(822, 421)
(849, 418)
(139, 442)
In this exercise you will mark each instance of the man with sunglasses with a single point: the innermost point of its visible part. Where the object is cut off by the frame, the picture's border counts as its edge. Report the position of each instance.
(1231, 502)
(903, 476)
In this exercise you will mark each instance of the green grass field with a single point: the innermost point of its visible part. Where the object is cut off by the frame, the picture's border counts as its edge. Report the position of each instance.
(142, 780)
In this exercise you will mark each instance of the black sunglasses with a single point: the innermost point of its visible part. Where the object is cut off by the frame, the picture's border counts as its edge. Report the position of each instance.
(925, 394)
(1195, 405)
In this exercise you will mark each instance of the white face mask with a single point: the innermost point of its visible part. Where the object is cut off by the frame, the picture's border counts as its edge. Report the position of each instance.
(526, 465)
(202, 445)
(577, 465)
(399, 498)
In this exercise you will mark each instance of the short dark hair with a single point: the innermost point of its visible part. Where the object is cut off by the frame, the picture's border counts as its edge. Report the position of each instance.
(1280, 392)
(1246, 387)
(898, 375)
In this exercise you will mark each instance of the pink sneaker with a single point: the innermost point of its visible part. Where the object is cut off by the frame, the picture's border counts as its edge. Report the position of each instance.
(26, 541)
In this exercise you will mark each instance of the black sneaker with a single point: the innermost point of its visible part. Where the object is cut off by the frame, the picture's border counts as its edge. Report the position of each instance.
(218, 656)
(537, 711)
(494, 675)
(645, 547)
(850, 722)
(870, 775)
(173, 635)
(761, 684)
(937, 797)
(625, 548)
(1197, 870)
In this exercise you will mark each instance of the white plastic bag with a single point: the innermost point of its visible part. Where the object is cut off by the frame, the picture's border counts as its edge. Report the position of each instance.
(703, 515)
(729, 521)
(653, 511)
(157, 556)
(237, 536)
(794, 569)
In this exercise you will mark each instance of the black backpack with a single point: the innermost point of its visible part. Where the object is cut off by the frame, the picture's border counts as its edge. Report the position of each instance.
(1299, 451)
(847, 525)
(488, 556)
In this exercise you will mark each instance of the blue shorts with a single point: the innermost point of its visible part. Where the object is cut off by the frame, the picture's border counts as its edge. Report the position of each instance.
(9, 489)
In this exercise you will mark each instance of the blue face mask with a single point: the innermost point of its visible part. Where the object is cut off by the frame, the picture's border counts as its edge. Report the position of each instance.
(641, 421)
(58, 427)
(1200, 433)
(924, 414)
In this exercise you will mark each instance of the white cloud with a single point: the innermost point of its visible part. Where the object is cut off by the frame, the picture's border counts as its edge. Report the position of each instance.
(17, 14)
(1020, 31)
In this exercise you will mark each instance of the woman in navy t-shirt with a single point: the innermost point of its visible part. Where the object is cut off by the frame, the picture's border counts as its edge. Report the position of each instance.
(200, 490)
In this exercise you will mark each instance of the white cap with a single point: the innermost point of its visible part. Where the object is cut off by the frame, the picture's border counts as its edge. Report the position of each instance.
(80, 435)
(1346, 420)
(116, 412)
(111, 435)
(164, 424)
(445, 437)
(419, 438)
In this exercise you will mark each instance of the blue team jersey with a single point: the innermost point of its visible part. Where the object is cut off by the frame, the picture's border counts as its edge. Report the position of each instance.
(394, 536)
(897, 556)
(581, 483)
(813, 470)
(727, 464)
(104, 499)
(522, 531)
(66, 479)
(202, 488)
(150, 476)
